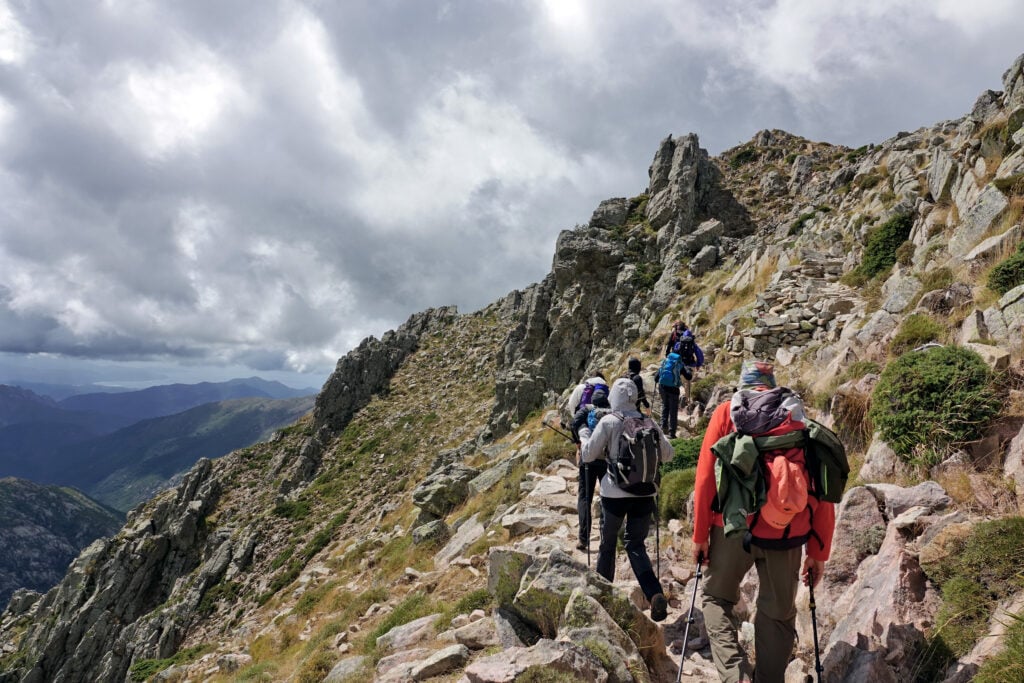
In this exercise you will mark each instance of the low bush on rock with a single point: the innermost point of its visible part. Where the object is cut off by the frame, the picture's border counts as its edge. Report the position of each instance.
(978, 571)
(676, 487)
(927, 401)
(882, 244)
(1009, 273)
(916, 329)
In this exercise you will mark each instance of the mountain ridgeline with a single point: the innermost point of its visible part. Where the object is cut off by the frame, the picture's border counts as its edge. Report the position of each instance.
(420, 522)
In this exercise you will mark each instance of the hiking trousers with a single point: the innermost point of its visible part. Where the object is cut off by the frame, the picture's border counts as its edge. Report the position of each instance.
(636, 513)
(590, 474)
(669, 409)
(778, 573)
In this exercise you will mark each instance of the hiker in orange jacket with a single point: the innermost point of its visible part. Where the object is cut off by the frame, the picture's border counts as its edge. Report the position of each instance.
(776, 553)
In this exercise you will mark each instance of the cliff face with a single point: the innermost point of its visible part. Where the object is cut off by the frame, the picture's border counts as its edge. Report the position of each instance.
(43, 528)
(426, 447)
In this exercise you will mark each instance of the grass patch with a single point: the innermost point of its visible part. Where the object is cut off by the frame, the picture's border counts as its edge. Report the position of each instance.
(915, 330)
(144, 669)
(1008, 664)
(979, 571)
(411, 608)
(480, 598)
(676, 487)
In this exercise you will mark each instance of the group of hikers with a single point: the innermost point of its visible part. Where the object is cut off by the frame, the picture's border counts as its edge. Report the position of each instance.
(760, 453)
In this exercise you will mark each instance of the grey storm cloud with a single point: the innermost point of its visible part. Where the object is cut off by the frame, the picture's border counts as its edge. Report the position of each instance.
(264, 184)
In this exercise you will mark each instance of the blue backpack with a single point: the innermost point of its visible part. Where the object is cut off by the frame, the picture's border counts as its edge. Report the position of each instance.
(668, 373)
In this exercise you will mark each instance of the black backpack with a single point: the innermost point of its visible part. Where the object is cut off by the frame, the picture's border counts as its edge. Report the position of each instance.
(633, 460)
(685, 348)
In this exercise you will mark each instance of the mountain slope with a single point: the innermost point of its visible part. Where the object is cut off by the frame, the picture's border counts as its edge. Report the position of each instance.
(420, 487)
(132, 406)
(43, 528)
(128, 466)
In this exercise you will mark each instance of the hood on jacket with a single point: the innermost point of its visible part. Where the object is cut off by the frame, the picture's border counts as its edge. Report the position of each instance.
(623, 395)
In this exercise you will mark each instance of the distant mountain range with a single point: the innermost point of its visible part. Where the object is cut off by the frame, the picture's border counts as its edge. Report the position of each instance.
(123, 447)
(42, 528)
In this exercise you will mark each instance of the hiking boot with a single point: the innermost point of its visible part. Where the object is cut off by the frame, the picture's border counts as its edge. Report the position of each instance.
(582, 547)
(659, 607)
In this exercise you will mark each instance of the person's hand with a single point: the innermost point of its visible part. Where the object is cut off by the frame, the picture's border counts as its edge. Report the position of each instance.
(579, 456)
(813, 568)
(701, 553)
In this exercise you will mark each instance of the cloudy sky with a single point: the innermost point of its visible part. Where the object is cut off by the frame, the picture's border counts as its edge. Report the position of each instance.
(198, 189)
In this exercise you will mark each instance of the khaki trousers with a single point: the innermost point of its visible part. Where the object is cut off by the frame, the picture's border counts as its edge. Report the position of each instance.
(778, 573)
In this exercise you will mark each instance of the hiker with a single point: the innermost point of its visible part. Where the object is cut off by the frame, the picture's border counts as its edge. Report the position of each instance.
(581, 394)
(633, 373)
(669, 378)
(775, 533)
(683, 342)
(583, 424)
(619, 505)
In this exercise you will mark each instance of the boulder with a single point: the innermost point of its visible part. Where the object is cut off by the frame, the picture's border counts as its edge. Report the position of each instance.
(467, 534)
(492, 475)
(1013, 466)
(945, 301)
(881, 462)
(998, 359)
(978, 219)
(547, 657)
(346, 670)
(405, 636)
(705, 260)
(973, 328)
(610, 213)
(546, 587)
(444, 489)
(441, 662)
(899, 290)
(895, 500)
(859, 532)
(477, 635)
(531, 520)
(431, 532)
(587, 623)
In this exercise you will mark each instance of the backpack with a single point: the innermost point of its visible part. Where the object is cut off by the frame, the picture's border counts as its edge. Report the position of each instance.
(588, 393)
(595, 415)
(792, 465)
(634, 461)
(670, 370)
(685, 346)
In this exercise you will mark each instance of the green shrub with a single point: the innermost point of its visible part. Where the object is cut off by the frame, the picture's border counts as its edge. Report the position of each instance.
(744, 156)
(940, 278)
(979, 571)
(1008, 274)
(916, 329)
(143, 669)
(928, 400)
(687, 452)
(882, 243)
(675, 489)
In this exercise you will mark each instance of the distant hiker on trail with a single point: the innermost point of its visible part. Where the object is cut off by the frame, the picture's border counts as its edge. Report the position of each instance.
(581, 395)
(670, 376)
(583, 425)
(683, 342)
(633, 373)
(792, 514)
(632, 447)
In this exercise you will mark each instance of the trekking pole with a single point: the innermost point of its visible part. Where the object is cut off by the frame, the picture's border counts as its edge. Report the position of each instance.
(558, 431)
(814, 625)
(657, 536)
(689, 616)
(590, 507)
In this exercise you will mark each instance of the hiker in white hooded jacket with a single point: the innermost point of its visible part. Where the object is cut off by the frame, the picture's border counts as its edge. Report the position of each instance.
(619, 506)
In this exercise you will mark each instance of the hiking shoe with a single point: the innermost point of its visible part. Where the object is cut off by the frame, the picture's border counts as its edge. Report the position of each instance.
(659, 607)
(582, 547)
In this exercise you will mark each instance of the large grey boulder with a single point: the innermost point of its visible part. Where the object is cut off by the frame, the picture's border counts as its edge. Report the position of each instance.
(467, 534)
(899, 290)
(977, 220)
(403, 637)
(441, 662)
(1013, 84)
(1013, 465)
(881, 462)
(548, 656)
(444, 489)
(610, 213)
(705, 260)
(586, 622)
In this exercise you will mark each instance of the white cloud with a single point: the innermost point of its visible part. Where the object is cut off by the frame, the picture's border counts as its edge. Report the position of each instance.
(163, 108)
(15, 41)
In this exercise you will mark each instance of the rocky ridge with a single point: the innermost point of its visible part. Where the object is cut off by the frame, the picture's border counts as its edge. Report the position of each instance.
(261, 564)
